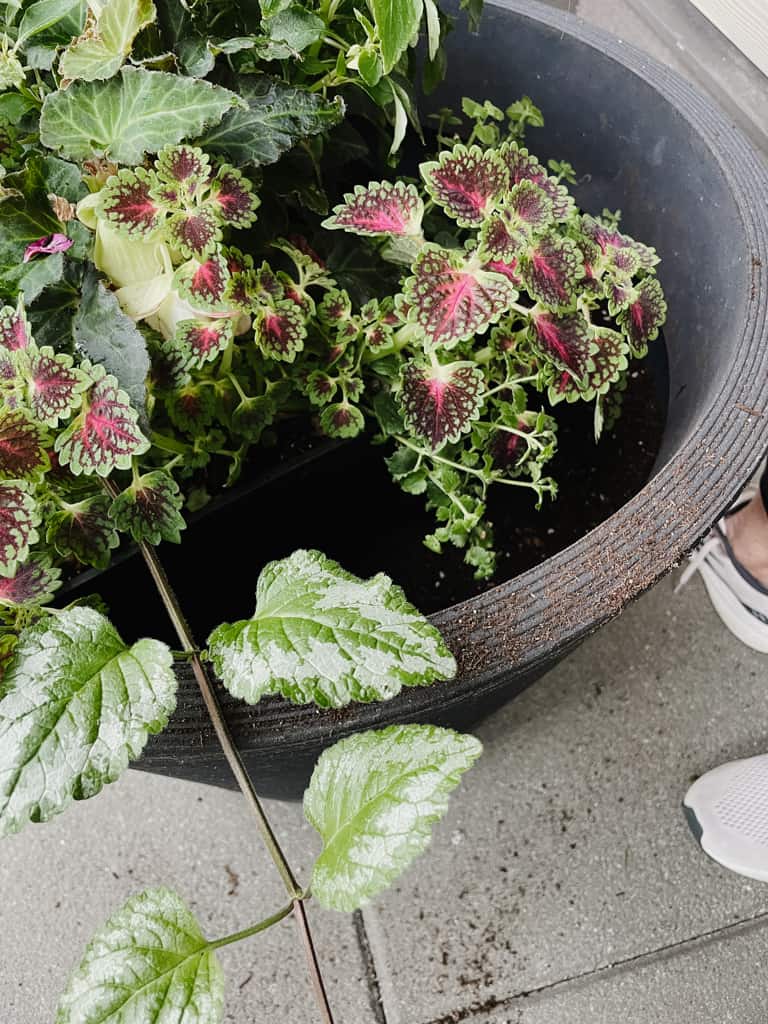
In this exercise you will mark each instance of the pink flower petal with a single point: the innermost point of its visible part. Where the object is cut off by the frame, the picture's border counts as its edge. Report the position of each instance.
(47, 244)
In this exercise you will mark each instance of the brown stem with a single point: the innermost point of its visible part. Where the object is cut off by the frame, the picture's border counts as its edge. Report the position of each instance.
(235, 761)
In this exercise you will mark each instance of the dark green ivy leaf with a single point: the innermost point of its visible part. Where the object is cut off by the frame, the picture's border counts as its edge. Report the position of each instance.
(320, 634)
(374, 797)
(76, 705)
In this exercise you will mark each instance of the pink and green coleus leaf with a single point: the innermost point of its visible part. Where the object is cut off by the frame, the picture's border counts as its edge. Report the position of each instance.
(183, 170)
(14, 327)
(194, 232)
(612, 243)
(203, 340)
(280, 330)
(552, 269)
(509, 230)
(379, 208)
(440, 403)
(566, 340)
(203, 284)
(84, 532)
(192, 407)
(53, 387)
(252, 416)
(129, 205)
(609, 361)
(342, 419)
(452, 297)
(105, 434)
(23, 444)
(150, 509)
(19, 517)
(33, 583)
(523, 166)
(641, 319)
(233, 198)
(335, 308)
(320, 387)
(466, 182)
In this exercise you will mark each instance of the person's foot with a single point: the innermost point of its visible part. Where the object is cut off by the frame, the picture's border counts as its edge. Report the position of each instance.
(733, 562)
(727, 810)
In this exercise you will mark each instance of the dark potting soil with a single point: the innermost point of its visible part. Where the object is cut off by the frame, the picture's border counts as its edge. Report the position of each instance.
(339, 498)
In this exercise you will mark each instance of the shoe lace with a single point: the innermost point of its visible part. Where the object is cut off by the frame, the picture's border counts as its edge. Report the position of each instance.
(698, 557)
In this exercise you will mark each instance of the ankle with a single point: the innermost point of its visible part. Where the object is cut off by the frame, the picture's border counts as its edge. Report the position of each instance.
(748, 536)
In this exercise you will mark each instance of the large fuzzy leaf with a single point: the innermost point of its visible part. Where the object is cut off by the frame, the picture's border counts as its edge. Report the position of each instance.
(275, 118)
(53, 387)
(379, 208)
(19, 517)
(452, 298)
(105, 47)
(440, 403)
(374, 798)
(77, 704)
(150, 508)
(105, 434)
(135, 113)
(105, 335)
(320, 634)
(23, 444)
(33, 583)
(467, 183)
(149, 964)
(83, 531)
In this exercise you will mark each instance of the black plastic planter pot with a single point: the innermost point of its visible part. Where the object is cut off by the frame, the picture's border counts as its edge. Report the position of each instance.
(690, 185)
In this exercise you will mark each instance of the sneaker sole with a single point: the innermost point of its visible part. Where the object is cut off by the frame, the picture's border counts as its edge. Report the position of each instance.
(743, 625)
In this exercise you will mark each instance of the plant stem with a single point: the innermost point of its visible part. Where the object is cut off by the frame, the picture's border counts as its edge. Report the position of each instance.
(260, 926)
(235, 761)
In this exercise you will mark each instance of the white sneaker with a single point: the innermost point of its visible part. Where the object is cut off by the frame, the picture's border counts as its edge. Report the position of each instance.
(727, 810)
(739, 599)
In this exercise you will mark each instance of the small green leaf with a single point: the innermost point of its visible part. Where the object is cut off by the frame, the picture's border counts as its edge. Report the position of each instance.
(150, 508)
(103, 52)
(374, 797)
(149, 964)
(321, 634)
(295, 26)
(77, 704)
(84, 531)
(57, 20)
(276, 117)
(136, 113)
(397, 23)
(105, 335)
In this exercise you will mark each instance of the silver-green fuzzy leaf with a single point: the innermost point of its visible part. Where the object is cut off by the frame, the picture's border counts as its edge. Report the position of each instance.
(76, 705)
(149, 964)
(374, 797)
(137, 112)
(320, 634)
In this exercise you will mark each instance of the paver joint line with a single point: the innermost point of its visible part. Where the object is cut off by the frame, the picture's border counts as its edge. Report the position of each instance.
(371, 977)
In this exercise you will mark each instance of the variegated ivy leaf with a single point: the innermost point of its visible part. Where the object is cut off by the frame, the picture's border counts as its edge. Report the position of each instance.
(14, 327)
(609, 361)
(644, 315)
(466, 183)
(149, 960)
(320, 634)
(379, 208)
(136, 112)
(523, 166)
(83, 531)
(23, 444)
(280, 331)
(342, 419)
(611, 241)
(567, 341)
(440, 403)
(203, 339)
(233, 198)
(77, 704)
(195, 232)
(102, 50)
(552, 269)
(183, 171)
(129, 205)
(105, 434)
(374, 798)
(203, 284)
(453, 298)
(53, 387)
(33, 583)
(19, 517)
(150, 509)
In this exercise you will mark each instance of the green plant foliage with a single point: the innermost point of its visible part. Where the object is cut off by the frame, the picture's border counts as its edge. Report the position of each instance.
(320, 634)
(374, 798)
(76, 704)
(102, 52)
